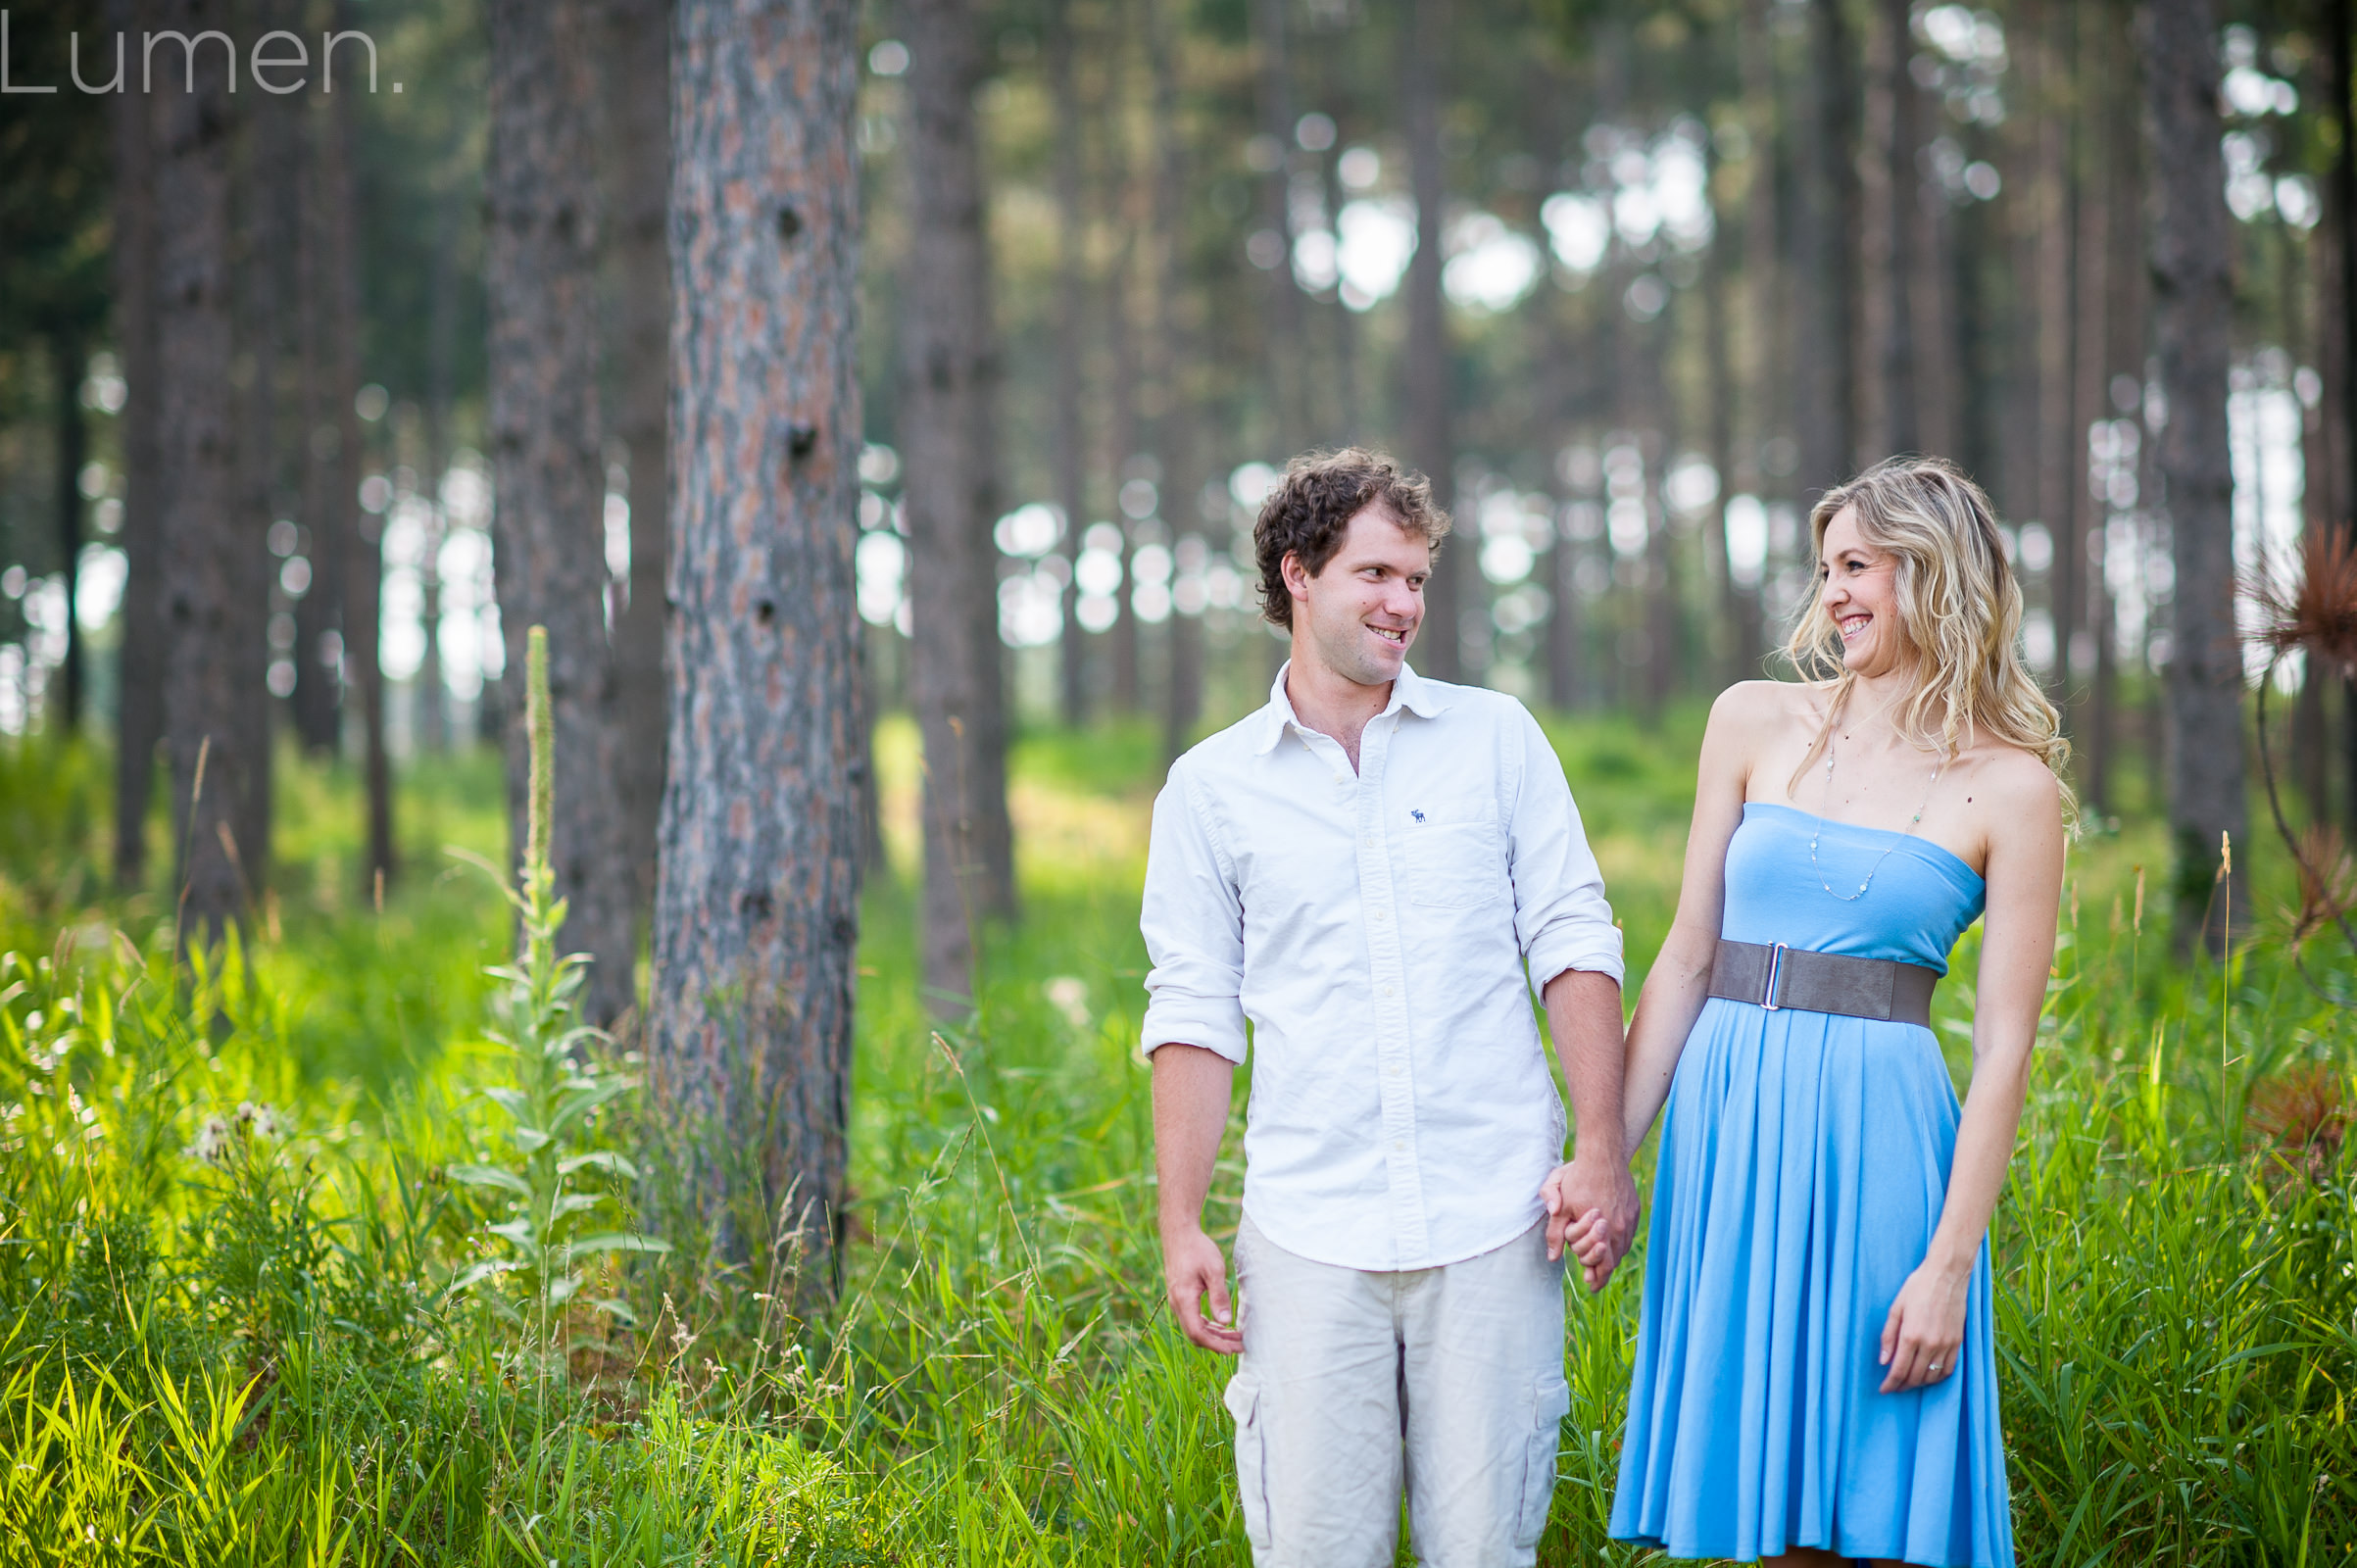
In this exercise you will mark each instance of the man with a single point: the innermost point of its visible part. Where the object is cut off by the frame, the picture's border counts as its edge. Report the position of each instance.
(1363, 870)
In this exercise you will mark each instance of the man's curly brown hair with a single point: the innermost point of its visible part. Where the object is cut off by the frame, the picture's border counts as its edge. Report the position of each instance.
(1310, 510)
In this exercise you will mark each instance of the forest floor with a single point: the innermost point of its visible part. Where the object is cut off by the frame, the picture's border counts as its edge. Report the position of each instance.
(225, 1336)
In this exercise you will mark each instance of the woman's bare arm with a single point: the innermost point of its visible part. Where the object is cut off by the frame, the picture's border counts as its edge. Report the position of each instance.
(1679, 983)
(1926, 1324)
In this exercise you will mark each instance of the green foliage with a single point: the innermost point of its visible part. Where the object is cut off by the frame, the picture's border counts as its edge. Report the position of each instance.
(559, 1085)
(222, 1340)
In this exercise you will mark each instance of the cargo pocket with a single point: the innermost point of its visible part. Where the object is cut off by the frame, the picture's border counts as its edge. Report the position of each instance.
(1551, 1403)
(1251, 1461)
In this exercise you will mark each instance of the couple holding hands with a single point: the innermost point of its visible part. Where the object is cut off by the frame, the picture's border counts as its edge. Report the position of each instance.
(1363, 881)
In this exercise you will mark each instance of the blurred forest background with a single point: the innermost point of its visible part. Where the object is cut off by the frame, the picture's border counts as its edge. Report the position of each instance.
(870, 402)
(1631, 281)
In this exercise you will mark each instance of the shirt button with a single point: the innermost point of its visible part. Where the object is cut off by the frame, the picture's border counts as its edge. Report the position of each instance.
(1392, 1071)
(1387, 990)
(1366, 838)
(1399, 1144)
(1382, 916)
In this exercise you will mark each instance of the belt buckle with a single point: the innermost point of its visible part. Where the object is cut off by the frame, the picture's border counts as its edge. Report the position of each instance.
(1767, 998)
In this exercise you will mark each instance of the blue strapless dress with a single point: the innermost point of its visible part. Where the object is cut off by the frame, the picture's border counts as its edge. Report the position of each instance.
(1802, 1168)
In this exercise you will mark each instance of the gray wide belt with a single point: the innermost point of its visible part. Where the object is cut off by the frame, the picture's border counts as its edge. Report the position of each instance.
(1775, 976)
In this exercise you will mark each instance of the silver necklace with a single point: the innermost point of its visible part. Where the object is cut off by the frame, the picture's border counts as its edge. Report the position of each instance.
(1871, 871)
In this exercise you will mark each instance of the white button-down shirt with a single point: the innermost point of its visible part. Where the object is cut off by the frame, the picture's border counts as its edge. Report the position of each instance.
(1373, 927)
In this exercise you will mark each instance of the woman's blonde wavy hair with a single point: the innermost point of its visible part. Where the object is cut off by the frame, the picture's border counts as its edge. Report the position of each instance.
(1960, 615)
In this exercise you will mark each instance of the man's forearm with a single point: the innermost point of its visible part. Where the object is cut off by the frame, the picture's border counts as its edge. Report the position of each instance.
(1191, 1090)
(1583, 1013)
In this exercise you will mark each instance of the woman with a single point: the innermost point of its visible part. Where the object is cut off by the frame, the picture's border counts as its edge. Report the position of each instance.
(1816, 1374)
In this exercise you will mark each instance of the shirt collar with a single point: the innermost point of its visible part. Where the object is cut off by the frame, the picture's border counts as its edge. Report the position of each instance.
(1426, 698)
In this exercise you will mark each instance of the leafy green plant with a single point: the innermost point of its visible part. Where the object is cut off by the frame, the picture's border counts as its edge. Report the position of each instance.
(552, 1203)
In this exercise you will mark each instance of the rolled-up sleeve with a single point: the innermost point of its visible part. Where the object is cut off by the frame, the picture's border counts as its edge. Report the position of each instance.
(1561, 918)
(1192, 921)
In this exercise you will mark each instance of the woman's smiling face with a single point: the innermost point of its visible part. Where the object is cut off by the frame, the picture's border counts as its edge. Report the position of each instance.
(1857, 584)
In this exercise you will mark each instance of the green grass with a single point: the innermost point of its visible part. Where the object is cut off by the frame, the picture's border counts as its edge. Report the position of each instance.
(249, 1357)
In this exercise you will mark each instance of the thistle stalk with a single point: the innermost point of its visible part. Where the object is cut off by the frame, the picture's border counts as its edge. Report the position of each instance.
(559, 1084)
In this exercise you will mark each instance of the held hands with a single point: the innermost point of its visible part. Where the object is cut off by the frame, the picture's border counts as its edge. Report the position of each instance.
(1592, 1209)
(1925, 1331)
(1193, 1268)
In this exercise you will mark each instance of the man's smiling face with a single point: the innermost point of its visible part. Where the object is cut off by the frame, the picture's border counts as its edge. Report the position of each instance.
(1362, 610)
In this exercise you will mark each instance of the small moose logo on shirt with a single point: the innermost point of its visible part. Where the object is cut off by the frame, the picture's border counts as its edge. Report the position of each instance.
(1418, 816)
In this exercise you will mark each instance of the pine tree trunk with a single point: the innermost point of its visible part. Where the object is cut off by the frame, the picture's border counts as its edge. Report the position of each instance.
(139, 666)
(1767, 364)
(65, 362)
(1431, 441)
(950, 378)
(2341, 50)
(1174, 428)
(1738, 655)
(1071, 315)
(2127, 337)
(2193, 316)
(1565, 632)
(758, 899)
(2091, 375)
(639, 96)
(1288, 367)
(259, 244)
(362, 531)
(214, 580)
(326, 504)
(1885, 412)
(1825, 257)
(1121, 420)
(548, 463)
(433, 699)
(2047, 83)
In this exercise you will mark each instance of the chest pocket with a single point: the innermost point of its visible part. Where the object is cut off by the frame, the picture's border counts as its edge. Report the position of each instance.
(1452, 866)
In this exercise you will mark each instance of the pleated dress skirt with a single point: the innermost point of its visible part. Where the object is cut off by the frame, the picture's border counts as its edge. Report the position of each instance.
(1801, 1172)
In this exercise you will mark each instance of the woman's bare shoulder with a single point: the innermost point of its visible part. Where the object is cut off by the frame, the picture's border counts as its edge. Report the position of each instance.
(1755, 710)
(2014, 783)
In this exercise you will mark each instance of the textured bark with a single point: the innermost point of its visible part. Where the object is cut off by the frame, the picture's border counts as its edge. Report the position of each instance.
(1288, 367)
(1657, 439)
(2126, 334)
(2341, 50)
(1121, 416)
(326, 506)
(1886, 166)
(1174, 430)
(1566, 688)
(2090, 367)
(757, 901)
(1431, 441)
(950, 376)
(1824, 256)
(1766, 366)
(139, 716)
(431, 714)
(214, 578)
(1341, 322)
(1071, 315)
(362, 531)
(2053, 443)
(1735, 637)
(548, 463)
(2192, 288)
(639, 110)
(269, 200)
(65, 362)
